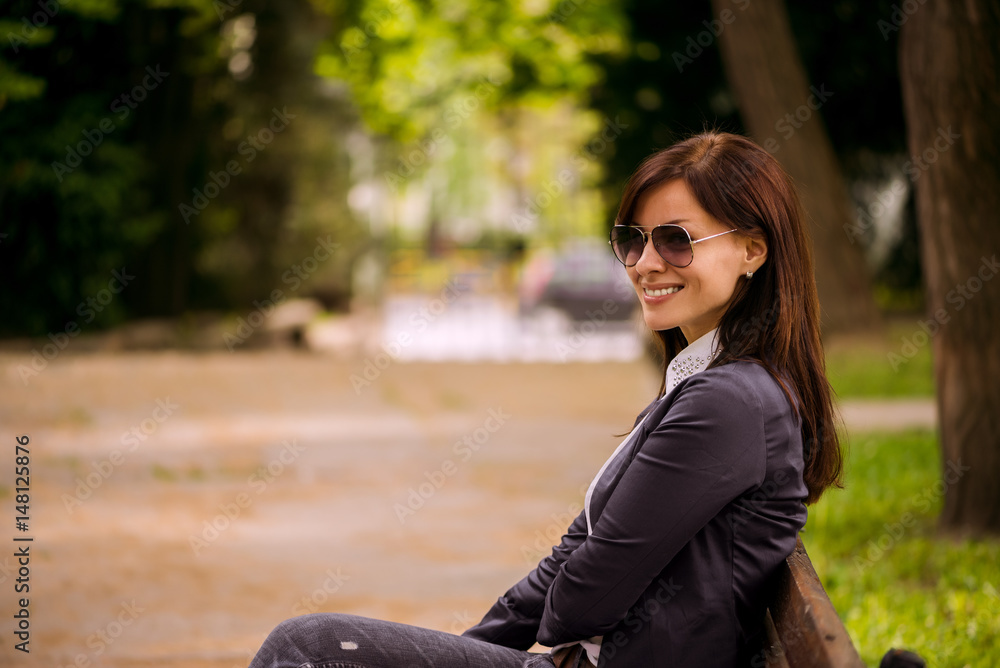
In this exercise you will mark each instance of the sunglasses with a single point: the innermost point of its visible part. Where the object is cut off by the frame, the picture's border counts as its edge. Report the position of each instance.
(672, 242)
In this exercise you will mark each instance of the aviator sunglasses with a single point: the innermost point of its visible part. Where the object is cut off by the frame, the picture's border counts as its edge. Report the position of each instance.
(672, 242)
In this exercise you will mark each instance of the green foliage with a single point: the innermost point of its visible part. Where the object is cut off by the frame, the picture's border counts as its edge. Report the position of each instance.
(501, 97)
(78, 177)
(892, 578)
(406, 61)
(27, 27)
(92, 180)
(479, 109)
(15, 85)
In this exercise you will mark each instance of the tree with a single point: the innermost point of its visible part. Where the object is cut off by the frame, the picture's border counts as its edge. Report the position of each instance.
(89, 162)
(949, 62)
(781, 109)
(163, 137)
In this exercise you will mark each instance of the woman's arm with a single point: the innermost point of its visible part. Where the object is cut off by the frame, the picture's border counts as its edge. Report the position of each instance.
(708, 450)
(513, 620)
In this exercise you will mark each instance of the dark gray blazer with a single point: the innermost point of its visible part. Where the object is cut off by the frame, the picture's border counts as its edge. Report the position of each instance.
(690, 522)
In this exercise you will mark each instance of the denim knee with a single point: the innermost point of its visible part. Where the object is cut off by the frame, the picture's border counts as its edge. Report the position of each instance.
(286, 645)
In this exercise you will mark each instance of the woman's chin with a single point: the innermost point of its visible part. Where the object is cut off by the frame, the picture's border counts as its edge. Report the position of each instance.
(657, 322)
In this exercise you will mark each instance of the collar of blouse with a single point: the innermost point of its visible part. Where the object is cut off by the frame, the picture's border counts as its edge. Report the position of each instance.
(693, 359)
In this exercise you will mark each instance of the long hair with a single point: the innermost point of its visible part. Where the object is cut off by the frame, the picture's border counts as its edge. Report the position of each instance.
(772, 319)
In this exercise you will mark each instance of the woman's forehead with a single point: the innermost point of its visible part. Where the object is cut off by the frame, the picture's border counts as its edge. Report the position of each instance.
(671, 202)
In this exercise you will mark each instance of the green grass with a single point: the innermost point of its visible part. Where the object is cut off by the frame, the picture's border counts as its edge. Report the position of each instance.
(894, 581)
(895, 365)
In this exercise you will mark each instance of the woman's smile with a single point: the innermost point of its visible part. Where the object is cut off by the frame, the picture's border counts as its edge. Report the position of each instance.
(651, 293)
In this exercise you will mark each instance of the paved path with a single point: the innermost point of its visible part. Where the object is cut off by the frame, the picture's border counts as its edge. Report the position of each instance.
(183, 504)
(889, 414)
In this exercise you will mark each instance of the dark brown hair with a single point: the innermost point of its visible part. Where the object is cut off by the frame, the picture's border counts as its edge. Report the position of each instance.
(773, 319)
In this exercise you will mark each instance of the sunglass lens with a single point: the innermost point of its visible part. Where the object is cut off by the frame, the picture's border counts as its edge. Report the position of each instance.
(627, 244)
(673, 244)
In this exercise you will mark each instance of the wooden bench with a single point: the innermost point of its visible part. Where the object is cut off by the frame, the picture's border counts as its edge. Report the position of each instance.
(803, 629)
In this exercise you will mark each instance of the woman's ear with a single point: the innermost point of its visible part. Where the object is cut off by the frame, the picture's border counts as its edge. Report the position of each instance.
(756, 253)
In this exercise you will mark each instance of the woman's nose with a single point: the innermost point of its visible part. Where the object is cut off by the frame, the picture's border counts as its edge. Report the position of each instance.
(650, 260)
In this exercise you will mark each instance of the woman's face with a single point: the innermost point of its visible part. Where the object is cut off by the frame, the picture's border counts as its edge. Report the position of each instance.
(699, 293)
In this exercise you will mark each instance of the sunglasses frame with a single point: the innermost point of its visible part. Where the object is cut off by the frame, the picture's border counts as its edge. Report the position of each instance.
(646, 236)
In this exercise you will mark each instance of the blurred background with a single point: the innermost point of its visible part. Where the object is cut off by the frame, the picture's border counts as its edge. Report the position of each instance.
(299, 296)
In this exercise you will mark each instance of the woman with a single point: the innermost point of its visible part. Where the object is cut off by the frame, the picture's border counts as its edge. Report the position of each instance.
(683, 529)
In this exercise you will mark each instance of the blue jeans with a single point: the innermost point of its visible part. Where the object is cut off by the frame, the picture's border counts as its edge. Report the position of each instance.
(325, 640)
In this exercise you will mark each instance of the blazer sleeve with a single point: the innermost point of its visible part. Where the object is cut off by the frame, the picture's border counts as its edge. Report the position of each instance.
(708, 449)
(514, 619)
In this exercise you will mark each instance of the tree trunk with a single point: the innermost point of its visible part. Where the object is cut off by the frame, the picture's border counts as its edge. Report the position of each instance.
(949, 62)
(780, 109)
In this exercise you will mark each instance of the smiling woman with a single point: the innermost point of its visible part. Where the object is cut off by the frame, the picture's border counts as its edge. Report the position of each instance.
(684, 529)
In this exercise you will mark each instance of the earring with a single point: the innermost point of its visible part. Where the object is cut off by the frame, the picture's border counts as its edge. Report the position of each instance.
(749, 275)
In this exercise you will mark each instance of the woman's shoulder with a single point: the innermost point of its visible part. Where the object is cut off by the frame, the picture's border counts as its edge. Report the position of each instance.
(737, 386)
(745, 371)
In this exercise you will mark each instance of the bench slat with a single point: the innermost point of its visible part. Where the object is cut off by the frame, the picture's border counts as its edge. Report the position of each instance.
(774, 655)
(803, 628)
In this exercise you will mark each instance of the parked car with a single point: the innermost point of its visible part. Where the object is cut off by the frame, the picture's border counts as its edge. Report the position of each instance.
(583, 280)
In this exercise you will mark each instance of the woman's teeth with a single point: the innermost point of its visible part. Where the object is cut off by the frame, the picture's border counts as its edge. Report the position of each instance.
(661, 293)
